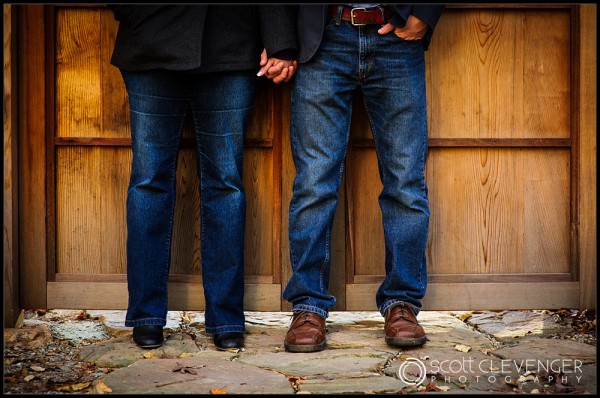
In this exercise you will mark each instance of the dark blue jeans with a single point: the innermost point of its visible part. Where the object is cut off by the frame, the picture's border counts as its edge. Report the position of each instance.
(390, 73)
(221, 105)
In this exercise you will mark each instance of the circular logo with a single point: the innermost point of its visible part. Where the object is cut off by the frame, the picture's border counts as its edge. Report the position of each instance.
(412, 371)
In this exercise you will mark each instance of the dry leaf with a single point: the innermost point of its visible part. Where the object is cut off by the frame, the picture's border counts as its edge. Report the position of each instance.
(185, 317)
(149, 355)
(186, 354)
(101, 387)
(465, 316)
(462, 348)
(37, 368)
(444, 388)
(421, 388)
(535, 391)
(217, 391)
(73, 387)
(80, 386)
(29, 378)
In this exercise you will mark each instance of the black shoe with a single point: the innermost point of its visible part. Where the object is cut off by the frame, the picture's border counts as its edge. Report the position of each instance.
(226, 341)
(148, 336)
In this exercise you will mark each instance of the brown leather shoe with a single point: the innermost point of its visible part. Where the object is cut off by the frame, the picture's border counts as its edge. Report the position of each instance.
(306, 333)
(402, 328)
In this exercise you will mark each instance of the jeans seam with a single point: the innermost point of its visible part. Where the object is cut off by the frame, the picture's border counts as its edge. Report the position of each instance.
(172, 214)
(145, 321)
(310, 308)
(224, 329)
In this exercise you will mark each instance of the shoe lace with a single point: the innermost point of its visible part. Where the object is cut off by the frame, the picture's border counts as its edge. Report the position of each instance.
(399, 312)
(302, 317)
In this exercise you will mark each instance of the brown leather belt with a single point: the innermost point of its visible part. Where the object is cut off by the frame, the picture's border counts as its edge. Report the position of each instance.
(362, 16)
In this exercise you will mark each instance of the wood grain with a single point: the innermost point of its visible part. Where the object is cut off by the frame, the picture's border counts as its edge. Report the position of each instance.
(500, 73)
(32, 156)
(479, 296)
(91, 190)
(182, 296)
(588, 183)
(78, 73)
(10, 241)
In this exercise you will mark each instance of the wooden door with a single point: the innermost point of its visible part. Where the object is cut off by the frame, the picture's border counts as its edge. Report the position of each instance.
(511, 170)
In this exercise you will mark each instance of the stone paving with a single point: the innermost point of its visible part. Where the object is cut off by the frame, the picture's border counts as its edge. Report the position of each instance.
(487, 352)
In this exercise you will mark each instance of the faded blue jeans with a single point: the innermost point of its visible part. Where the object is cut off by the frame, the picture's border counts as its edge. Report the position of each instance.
(221, 105)
(390, 73)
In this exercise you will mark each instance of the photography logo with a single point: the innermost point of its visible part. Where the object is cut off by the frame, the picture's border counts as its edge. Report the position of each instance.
(412, 371)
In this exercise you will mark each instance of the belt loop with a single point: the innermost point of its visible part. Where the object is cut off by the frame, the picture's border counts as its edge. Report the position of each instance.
(338, 18)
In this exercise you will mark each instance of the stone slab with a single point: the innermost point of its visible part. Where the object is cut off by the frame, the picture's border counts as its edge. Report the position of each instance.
(508, 325)
(156, 376)
(356, 385)
(330, 363)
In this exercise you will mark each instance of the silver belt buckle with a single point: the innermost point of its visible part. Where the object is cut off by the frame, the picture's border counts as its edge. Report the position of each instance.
(352, 16)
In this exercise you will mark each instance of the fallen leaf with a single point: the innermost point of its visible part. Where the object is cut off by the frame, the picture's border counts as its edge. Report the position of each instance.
(82, 315)
(29, 378)
(526, 378)
(217, 391)
(37, 368)
(185, 317)
(421, 388)
(80, 386)
(462, 348)
(101, 387)
(186, 354)
(465, 316)
(432, 387)
(233, 350)
(149, 355)
(535, 391)
(73, 387)
(444, 388)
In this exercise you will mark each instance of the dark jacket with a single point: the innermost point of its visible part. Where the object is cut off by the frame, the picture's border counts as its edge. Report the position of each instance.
(313, 18)
(200, 37)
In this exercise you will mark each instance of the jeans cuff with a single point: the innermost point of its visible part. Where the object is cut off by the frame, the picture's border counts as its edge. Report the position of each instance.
(145, 322)
(392, 303)
(225, 329)
(310, 308)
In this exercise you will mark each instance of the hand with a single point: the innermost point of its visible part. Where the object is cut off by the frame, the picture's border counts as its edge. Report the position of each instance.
(414, 29)
(276, 69)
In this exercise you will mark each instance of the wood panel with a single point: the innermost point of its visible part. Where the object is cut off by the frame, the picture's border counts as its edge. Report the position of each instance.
(10, 241)
(32, 157)
(479, 296)
(91, 189)
(182, 296)
(258, 184)
(500, 73)
(492, 211)
(587, 179)
(91, 100)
